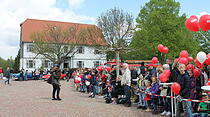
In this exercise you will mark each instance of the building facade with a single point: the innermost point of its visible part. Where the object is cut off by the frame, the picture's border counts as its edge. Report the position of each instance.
(85, 57)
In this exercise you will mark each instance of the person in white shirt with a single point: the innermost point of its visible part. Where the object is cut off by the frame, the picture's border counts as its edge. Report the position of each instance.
(126, 82)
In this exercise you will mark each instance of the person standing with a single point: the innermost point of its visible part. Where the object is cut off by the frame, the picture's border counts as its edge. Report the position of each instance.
(55, 74)
(26, 75)
(142, 69)
(93, 83)
(134, 76)
(126, 82)
(184, 81)
(7, 76)
(1, 73)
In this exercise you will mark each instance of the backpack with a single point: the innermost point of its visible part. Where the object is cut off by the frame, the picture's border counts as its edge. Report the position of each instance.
(108, 100)
(49, 80)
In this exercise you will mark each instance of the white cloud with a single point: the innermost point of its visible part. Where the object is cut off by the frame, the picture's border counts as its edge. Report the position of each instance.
(76, 4)
(14, 12)
(202, 13)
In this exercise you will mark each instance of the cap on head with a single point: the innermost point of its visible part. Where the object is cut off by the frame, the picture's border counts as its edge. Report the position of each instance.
(56, 65)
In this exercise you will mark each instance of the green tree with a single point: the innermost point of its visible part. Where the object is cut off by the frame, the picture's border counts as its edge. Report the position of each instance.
(159, 23)
(5, 63)
(203, 39)
(17, 62)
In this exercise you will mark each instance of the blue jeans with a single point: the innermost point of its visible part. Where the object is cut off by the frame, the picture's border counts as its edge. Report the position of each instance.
(127, 90)
(167, 106)
(187, 107)
(94, 90)
(200, 115)
(7, 81)
(100, 89)
(26, 78)
(142, 102)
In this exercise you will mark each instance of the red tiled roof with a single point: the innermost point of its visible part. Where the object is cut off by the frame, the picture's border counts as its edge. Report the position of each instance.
(30, 26)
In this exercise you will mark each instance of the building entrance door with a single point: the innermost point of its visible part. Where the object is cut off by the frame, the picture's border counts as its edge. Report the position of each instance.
(66, 65)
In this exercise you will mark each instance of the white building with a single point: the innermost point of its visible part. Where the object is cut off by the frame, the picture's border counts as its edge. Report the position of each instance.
(86, 57)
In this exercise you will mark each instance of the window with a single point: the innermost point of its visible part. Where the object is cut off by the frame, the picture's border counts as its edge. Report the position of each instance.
(30, 48)
(46, 63)
(81, 50)
(65, 49)
(97, 51)
(80, 64)
(96, 63)
(30, 64)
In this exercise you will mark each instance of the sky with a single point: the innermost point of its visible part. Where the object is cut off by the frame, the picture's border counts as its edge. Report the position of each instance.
(14, 12)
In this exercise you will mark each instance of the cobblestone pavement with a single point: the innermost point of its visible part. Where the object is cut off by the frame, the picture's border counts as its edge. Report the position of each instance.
(33, 99)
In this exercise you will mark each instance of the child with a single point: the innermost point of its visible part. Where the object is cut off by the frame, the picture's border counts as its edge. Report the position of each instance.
(154, 90)
(202, 108)
(141, 88)
(77, 81)
(147, 97)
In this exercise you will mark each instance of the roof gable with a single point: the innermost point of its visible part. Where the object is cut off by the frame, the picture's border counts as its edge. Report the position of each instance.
(30, 26)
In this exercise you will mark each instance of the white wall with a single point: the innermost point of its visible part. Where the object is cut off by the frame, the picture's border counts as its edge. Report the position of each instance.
(88, 57)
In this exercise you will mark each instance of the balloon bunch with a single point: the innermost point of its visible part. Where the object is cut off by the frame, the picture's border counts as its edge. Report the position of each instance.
(194, 23)
(183, 57)
(163, 49)
(199, 61)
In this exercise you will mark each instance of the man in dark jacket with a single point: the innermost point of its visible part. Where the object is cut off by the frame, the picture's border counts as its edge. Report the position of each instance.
(142, 69)
(7, 76)
(56, 73)
(184, 81)
(134, 76)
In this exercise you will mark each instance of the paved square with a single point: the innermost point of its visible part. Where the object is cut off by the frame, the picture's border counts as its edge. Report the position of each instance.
(33, 99)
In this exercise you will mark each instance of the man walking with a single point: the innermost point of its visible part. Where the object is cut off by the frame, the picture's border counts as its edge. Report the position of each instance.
(7, 76)
(126, 82)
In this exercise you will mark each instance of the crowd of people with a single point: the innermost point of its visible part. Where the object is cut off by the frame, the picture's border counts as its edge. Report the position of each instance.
(141, 85)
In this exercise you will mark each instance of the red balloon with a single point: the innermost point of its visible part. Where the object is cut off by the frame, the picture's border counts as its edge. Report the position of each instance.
(208, 60)
(190, 67)
(114, 60)
(197, 72)
(208, 83)
(163, 77)
(165, 50)
(108, 69)
(167, 72)
(183, 53)
(198, 64)
(176, 60)
(183, 60)
(89, 76)
(192, 23)
(160, 47)
(76, 81)
(154, 60)
(204, 22)
(99, 68)
(175, 87)
(190, 59)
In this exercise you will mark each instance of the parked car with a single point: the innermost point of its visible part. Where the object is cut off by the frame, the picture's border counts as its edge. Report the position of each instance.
(45, 77)
(17, 76)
